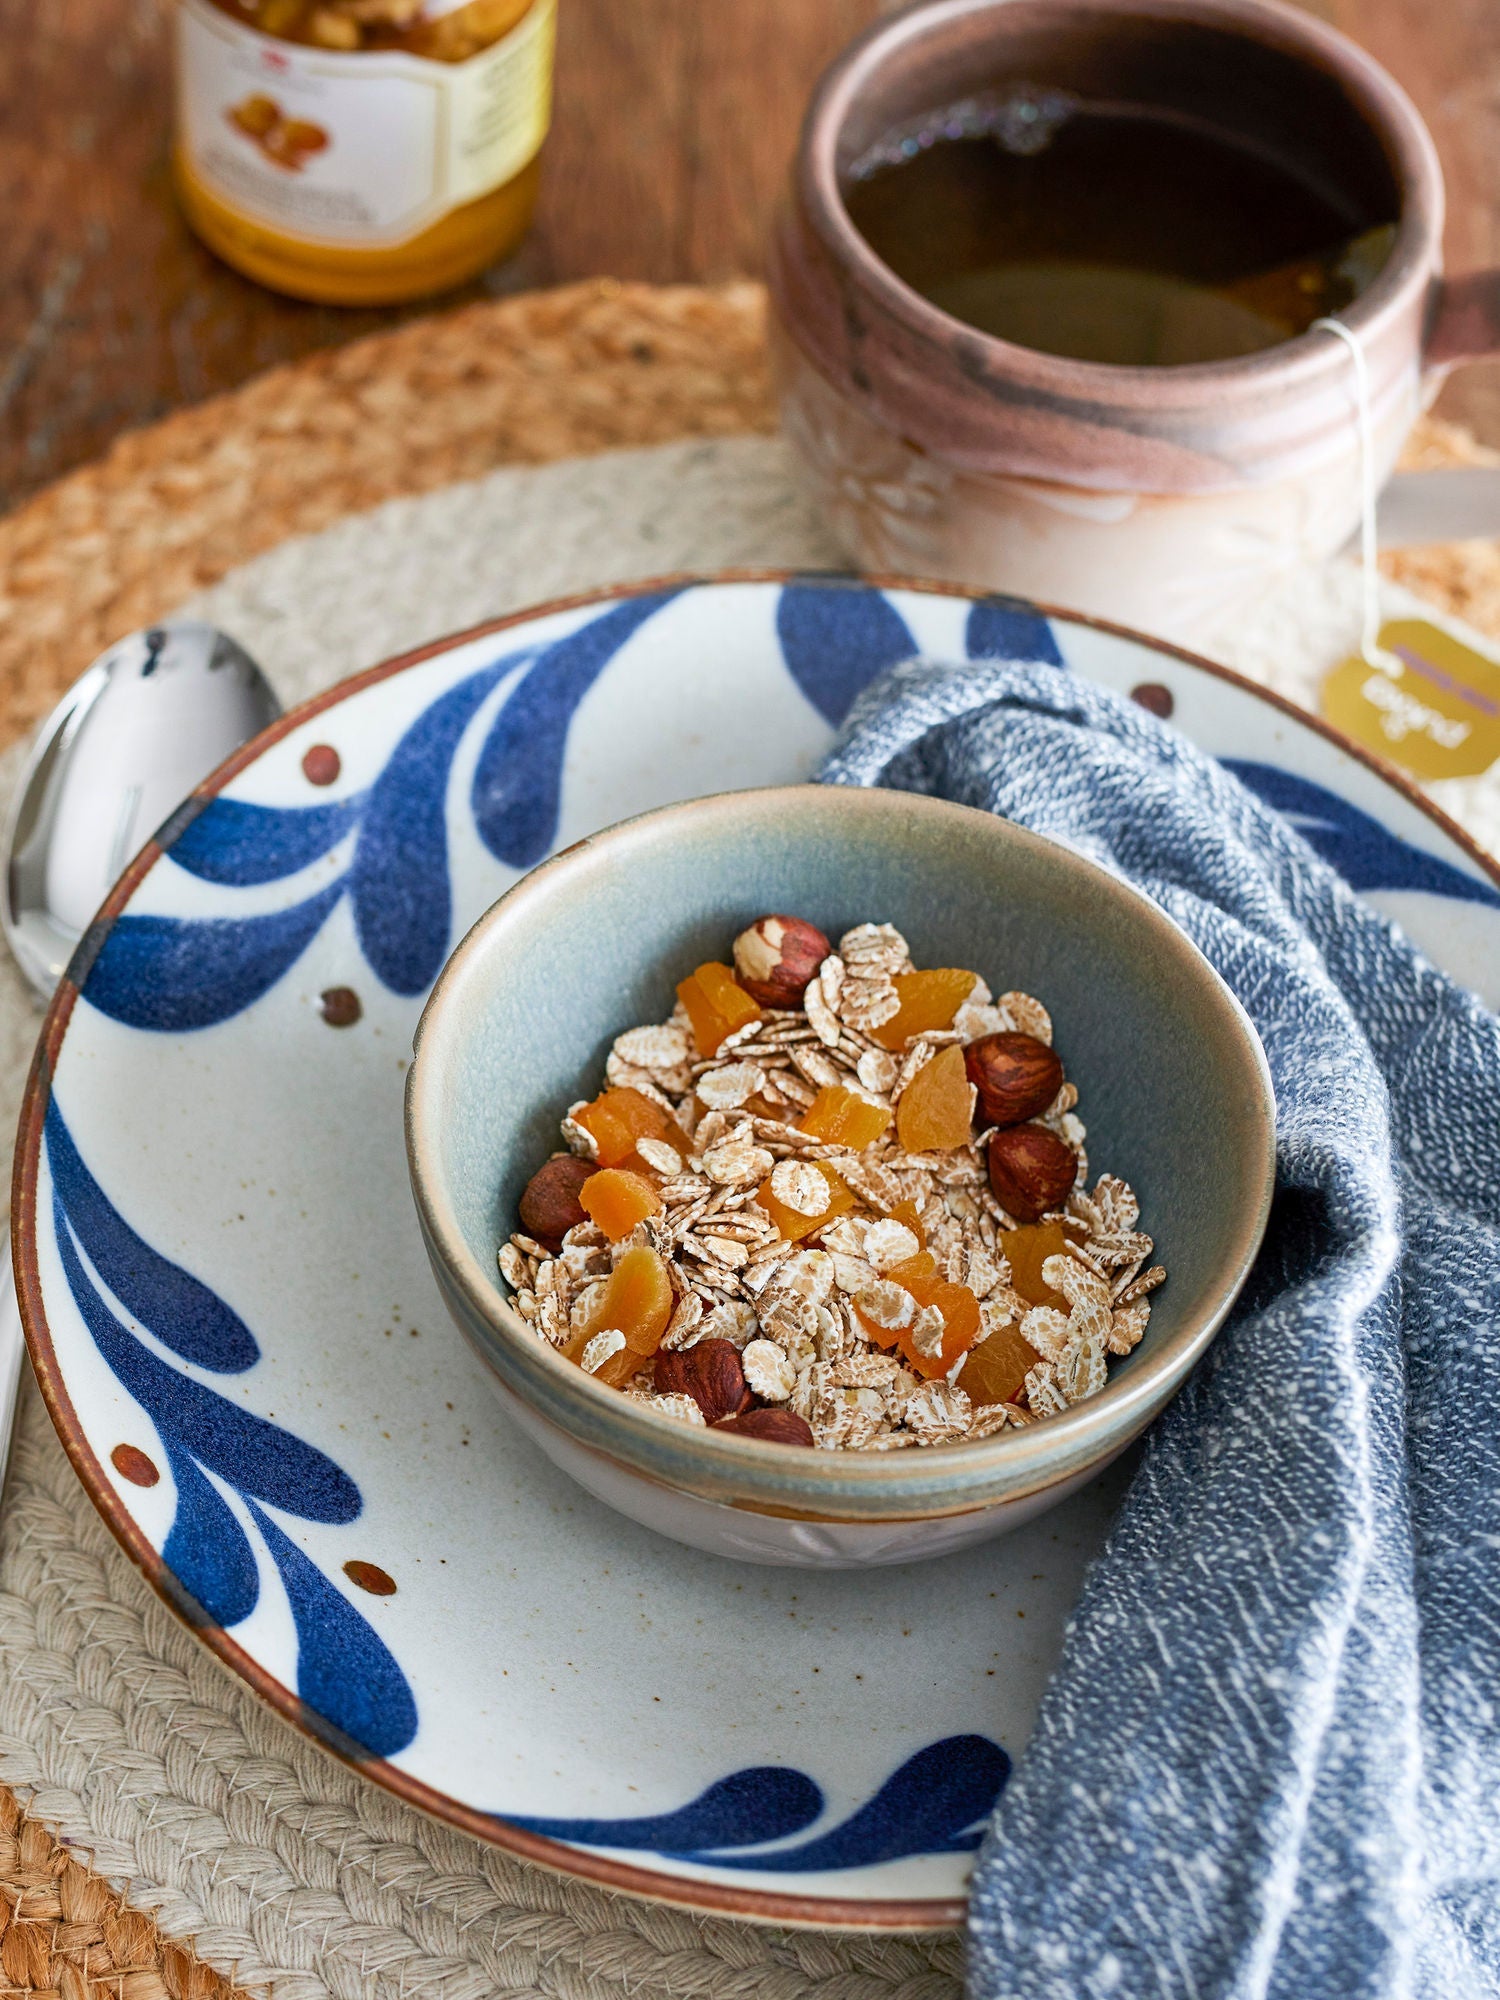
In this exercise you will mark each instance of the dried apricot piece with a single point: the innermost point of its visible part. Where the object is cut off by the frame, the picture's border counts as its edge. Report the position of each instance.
(960, 1311)
(996, 1369)
(617, 1200)
(617, 1119)
(716, 1005)
(791, 1222)
(929, 1000)
(910, 1214)
(1027, 1249)
(637, 1302)
(937, 1107)
(844, 1118)
(726, 995)
(708, 1029)
(915, 1277)
(918, 1270)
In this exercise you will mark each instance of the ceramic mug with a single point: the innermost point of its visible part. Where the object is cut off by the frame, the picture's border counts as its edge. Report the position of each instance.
(1166, 497)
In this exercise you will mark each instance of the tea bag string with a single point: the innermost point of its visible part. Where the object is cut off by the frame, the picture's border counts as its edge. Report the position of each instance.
(1371, 651)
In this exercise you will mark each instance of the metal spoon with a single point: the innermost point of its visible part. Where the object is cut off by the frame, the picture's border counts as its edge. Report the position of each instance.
(124, 746)
(127, 743)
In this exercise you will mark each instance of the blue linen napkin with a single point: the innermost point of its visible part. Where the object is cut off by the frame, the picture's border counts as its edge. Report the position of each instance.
(1268, 1762)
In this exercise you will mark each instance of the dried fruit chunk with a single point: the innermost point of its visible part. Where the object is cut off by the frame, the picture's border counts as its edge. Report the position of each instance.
(618, 1119)
(791, 1222)
(882, 1310)
(929, 1001)
(617, 1200)
(776, 957)
(1016, 1076)
(716, 1005)
(844, 1118)
(918, 1270)
(996, 1369)
(710, 1372)
(910, 1214)
(1027, 1250)
(637, 1303)
(937, 1107)
(550, 1206)
(960, 1315)
(1031, 1170)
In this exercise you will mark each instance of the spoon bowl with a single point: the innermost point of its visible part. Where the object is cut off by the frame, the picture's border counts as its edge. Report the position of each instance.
(125, 745)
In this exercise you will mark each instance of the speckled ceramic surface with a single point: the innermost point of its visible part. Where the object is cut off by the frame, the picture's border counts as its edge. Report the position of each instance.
(233, 1319)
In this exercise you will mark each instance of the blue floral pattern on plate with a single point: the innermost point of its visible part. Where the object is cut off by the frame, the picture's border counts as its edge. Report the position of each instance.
(346, 1674)
(937, 1802)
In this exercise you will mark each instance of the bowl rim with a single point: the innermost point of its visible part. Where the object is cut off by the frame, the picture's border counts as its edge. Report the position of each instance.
(751, 1473)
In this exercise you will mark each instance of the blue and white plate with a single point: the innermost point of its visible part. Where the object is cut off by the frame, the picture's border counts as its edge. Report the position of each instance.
(233, 1321)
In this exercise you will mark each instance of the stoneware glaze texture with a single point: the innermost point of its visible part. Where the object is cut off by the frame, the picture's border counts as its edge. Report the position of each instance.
(594, 942)
(1164, 495)
(234, 1321)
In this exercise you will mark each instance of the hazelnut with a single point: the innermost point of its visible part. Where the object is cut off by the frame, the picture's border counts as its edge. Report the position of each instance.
(709, 1372)
(550, 1206)
(1031, 1170)
(776, 958)
(1016, 1076)
(775, 1426)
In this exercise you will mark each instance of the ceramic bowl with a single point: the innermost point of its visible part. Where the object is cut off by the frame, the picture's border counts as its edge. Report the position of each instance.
(593, 941)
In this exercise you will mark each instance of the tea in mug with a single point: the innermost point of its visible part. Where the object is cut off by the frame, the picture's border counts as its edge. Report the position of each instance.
(1109, 233)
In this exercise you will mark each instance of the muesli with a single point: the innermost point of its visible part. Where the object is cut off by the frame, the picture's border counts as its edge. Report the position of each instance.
(834, 1200)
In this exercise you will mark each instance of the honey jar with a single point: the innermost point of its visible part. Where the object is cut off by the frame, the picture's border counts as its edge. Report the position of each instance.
(360, 152)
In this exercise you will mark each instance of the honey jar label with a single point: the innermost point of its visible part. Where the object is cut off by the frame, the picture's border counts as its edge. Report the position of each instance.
(356, 150)
(1432, 705)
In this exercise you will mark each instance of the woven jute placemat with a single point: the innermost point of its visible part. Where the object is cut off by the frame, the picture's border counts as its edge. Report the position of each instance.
(144, 1780)
(586, 368)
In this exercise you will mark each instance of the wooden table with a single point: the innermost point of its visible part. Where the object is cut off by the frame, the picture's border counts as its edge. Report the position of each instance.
(675, 119)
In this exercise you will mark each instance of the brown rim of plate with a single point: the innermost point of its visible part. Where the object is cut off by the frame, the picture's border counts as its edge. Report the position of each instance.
(725, 1899)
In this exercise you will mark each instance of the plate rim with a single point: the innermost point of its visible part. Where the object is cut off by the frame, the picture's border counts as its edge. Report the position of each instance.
(889, 1914)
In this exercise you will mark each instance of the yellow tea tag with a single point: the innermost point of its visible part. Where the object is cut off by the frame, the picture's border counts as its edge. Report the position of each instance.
(1434, 709)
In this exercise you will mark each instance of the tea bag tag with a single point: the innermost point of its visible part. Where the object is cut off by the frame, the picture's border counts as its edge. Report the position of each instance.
(1429, 702)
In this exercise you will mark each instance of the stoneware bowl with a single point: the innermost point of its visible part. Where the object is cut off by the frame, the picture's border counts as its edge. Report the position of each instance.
(593, 941)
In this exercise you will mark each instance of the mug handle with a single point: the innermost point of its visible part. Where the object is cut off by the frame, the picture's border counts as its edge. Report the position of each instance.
(1465, 322)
